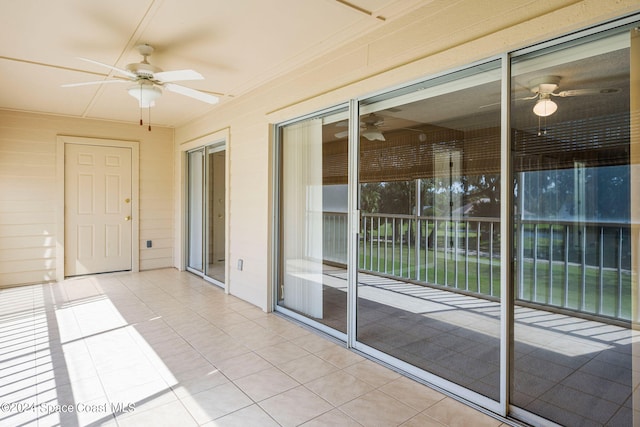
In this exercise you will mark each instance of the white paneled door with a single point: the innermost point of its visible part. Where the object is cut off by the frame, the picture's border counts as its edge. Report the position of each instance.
(98, 214)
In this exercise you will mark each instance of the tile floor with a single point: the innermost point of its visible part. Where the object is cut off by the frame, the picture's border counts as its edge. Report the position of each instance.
(166, 348)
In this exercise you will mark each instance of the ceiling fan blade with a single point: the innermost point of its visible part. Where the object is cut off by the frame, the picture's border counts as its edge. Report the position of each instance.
(579, 92)
(526, 98)
(178, 75)
(97, 82)
(192, 93)
(342, 134)
(119, 70)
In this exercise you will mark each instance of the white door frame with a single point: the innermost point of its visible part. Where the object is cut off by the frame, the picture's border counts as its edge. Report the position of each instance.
(61, 141)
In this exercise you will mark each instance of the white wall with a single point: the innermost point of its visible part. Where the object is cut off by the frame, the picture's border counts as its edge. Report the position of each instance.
(28, 191)
(440, 36)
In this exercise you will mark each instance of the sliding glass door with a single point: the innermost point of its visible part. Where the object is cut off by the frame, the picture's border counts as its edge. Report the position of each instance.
(428, 292)
(479, 229)
(215, 230)
(195, 217)
(573, 170)
(206, 229)
(313, 217)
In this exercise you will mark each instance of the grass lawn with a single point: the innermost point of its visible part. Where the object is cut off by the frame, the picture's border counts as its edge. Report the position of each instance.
(566, 285)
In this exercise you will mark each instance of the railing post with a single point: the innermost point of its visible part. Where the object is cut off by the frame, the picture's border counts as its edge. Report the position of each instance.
(435, 251)
(565, 299)
(466, 255)
(600, 293)
(456, 225)
(583, 262)
(478, 270)
(446, 248)
(491, 243)
(401, 244)
(393, 247)
(378, 246)
(619, 293)
(550, 290)
(417, 234)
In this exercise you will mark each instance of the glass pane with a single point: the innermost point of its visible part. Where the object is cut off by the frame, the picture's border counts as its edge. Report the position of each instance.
(428, 281)
(216, 235)
(195, 220)
(571, 128)
(313, 223)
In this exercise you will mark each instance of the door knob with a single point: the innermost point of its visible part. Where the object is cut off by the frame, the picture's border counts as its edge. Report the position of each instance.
(127, 218)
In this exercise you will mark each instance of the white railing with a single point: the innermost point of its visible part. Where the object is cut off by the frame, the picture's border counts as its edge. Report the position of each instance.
(580, 267)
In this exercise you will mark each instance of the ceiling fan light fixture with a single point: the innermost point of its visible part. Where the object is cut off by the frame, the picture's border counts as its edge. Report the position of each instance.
(544, 107)
(145, 93)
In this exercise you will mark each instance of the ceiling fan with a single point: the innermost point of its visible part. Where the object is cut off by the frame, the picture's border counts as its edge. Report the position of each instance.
(369, 128)
(149, 80)
(544, 88)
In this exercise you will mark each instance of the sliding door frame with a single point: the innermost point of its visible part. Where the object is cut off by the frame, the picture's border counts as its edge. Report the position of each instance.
(217, 139)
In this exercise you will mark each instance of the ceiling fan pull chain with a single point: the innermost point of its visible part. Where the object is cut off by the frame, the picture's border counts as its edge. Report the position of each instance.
(140, 105)
(149, 118)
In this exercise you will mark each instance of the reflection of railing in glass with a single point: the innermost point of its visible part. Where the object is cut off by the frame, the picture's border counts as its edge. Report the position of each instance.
(580, 267)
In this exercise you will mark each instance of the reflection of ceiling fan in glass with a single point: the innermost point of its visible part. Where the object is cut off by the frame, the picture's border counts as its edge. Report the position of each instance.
(544, 89)
(369, 128)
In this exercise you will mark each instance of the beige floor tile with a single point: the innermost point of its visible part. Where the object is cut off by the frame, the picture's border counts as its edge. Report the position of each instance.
(339, 356)
(243, 365)
(215, 402)
(143, 397)
(313, 343)
(223, 347)
(307, 368)
(224, 320)
(266, 383)
(168, 415)
(412, 393)
(127, 378)
(455, 414)
(378, 409)
(181, 362)
(192, 384)
(295, 407)
(250, 416)
(335, 418)
(244, 328)
(200, 371)
(262, 339)
(339, 387)
(282, 353)
(422, 420)
(174, 344)
(372, 373)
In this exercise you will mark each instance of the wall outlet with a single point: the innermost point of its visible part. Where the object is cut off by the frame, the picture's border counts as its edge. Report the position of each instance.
(240, 264)
(149, 244)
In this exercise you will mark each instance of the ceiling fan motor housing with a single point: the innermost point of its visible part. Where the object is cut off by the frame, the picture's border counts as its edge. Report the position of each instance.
(143, 70)
(545, 84)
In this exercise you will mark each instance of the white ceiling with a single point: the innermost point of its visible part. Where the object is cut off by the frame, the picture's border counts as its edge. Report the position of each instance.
(237, 45)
